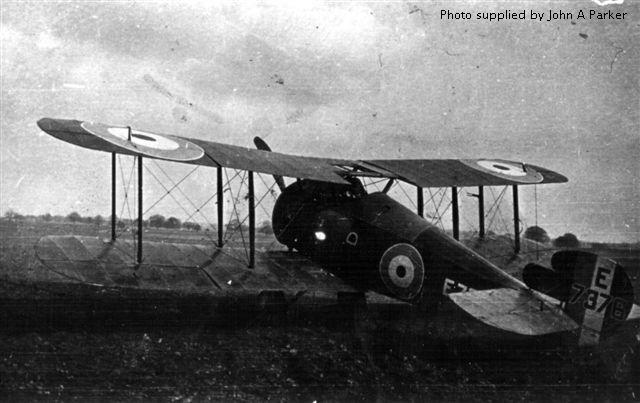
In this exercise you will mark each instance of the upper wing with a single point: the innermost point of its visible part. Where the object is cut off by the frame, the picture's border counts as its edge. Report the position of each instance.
(123, 140)
(468, 172)
(423, 173)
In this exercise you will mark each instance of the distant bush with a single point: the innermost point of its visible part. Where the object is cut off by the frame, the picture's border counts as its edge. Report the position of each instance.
(191, 226)
(537, 234)
(235, 224)
(265, 227)
(74, 217)
(567, 240)
(157, 220)
(13, 215)
(172, 222)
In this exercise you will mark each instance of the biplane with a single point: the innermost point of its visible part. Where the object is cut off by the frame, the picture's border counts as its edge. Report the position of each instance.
(342, 238)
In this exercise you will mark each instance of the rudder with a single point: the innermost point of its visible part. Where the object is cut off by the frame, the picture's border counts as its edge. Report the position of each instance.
(596, 292)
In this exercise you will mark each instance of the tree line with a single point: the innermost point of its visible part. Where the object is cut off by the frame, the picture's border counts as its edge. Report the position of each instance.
(534, 233)
(538, 234)
(155, 221)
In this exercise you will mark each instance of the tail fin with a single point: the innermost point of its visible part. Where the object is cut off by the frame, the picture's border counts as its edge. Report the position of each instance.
(596, 291)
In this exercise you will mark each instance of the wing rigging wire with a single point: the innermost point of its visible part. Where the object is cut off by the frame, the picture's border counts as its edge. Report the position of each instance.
(494, 209)
(228, 234)
(413, 203)
(272, 192)
(464, 216)
(190, 215)
(535, 198)
(174, 198)
(183, 195)
(242, 220)
(126, 185)
(374, 183)
(439, 205)
(173, 187)
(125, 201)
(197, 210)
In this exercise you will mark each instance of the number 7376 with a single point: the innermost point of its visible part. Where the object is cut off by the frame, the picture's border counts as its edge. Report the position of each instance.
(619, 305)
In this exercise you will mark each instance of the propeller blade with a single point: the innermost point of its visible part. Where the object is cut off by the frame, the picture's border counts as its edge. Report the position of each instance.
(262, 145)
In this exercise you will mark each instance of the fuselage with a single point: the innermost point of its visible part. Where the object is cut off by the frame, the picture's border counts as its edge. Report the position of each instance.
(374, 242)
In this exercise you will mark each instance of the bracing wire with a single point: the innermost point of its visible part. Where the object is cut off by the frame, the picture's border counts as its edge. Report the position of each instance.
(173, 197)
(172, 188)
(464, 217)
(183, 195)
(207, 202)
(270, 190)
(413, 203)
(432, 202)
(235, 211)
(432, 195)
(494, 208)
(437, 207)
(126, 184)
(504, 222)
(375, 184)
(535, 203)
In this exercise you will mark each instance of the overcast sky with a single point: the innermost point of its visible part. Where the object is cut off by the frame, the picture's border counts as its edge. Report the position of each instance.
(341, 79)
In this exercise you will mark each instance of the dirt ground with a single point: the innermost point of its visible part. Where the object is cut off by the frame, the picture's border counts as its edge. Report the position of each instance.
(61, 342)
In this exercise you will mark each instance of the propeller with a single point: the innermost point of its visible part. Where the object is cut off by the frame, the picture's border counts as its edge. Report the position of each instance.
(262, 145)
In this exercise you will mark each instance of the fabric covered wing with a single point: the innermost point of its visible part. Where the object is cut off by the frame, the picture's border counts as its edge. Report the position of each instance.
(516, 311)
(274, 163)
(423, 173)
(121, 140)
(479, 172)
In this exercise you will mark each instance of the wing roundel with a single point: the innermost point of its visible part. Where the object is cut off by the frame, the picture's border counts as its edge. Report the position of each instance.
(123, 140)
(148, 144)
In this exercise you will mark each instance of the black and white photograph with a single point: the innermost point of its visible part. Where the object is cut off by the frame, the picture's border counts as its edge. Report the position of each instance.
(320, 201)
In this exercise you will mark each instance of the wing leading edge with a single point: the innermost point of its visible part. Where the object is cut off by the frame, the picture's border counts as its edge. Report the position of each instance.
(423, 172)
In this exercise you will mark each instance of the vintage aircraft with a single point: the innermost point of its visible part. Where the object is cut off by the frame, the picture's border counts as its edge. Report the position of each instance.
(367, 241)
